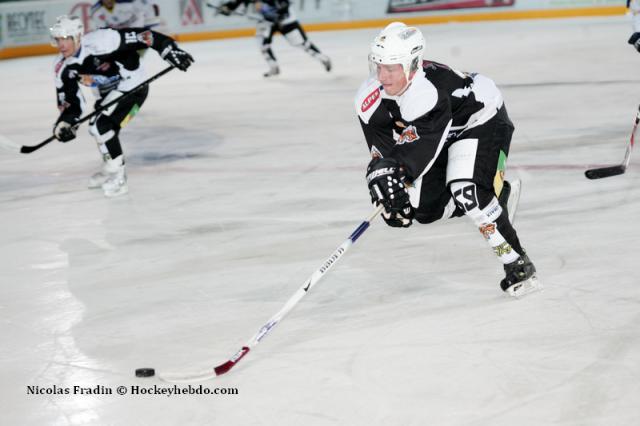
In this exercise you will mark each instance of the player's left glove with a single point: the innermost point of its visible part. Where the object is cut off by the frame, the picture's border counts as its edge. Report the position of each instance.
(385, 178)
(176, 56)
(64, 131)
(635, 40)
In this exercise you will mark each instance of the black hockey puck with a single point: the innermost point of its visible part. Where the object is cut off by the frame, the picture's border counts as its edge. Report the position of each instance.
(145, 372)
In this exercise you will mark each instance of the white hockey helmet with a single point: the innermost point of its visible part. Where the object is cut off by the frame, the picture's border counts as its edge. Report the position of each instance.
(398, 44)
(66, 26)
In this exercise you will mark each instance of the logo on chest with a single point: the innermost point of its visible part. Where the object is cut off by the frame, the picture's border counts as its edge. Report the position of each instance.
(408, 135)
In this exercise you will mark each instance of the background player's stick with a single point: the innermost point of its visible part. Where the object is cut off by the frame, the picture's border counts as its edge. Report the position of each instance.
(275, 319)
(604, 172)
(25, 149)
(233, 12)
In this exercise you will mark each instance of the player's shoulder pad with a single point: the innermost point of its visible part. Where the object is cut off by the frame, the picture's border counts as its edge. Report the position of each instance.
(420, 98)
(101, 42)
(368, 99)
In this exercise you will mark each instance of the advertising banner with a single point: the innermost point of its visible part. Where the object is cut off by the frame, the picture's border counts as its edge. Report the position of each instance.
(24, 25)
(403, 6)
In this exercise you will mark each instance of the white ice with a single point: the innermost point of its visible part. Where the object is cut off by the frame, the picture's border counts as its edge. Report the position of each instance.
(240, 188)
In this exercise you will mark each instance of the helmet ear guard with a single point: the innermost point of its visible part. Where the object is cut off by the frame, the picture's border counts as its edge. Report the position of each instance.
(65, 27)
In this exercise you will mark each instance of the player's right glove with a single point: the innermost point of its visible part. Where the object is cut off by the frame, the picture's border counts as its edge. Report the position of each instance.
(64, 131)
(176, 56)
(635, 40)
(385, 178)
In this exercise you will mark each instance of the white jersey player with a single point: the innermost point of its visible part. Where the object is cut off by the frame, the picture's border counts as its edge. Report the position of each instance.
(106, 60)
(444, 134)
(119, 14)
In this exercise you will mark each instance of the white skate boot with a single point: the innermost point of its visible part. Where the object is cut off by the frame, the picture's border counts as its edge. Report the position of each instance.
(116, 184)
(273, 70)
(112, 178)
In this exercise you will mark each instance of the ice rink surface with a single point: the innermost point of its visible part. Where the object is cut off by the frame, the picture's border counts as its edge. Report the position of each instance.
(241, 187)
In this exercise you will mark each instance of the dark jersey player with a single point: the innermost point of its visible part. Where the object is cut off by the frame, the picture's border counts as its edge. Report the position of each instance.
(107, 61)
(277, 16)
(439, 139)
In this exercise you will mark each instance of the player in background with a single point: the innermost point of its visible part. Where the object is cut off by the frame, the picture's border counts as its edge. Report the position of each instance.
(634, 9)
(119, 14)
(107, 61)
(439, 139)
(277, 16)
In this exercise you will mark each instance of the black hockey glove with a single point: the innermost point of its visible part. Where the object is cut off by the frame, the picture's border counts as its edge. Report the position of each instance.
(386, 179)
(176, 56)
(635, 40)
(64, 131)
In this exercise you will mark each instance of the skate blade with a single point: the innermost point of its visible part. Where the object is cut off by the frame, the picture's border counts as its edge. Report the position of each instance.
(525, 287)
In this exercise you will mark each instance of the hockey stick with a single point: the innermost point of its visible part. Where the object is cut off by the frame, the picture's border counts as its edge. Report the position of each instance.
(233, 12)
(25, 149)
(604, 172)
(275, 319)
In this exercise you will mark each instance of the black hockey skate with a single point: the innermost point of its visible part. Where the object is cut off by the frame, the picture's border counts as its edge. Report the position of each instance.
(520, 277)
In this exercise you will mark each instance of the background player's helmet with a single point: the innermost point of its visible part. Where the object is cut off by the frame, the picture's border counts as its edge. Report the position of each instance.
(66, 26)
(398, 44)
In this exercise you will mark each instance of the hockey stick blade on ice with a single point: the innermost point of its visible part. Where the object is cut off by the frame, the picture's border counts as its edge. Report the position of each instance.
(25, 149)
(608, 171)
(275, 319)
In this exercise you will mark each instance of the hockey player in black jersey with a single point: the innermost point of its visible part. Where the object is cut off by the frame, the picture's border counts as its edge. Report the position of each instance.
(439, 139)
(107, 61)
(277, 17)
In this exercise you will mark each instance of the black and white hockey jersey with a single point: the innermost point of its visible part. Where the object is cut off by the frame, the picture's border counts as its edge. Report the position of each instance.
(436, 109)
(125, 14)
(106, 60)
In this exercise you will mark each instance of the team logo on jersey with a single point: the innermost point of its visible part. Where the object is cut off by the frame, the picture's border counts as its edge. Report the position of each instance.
(146, 38)
(487, 230)
(130, 37)
(370, 100)
(409, 135)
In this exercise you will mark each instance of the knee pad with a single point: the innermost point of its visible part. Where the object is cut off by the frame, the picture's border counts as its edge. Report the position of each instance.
(263, 29)
(295, 38)
(102, 129)
(462, 159)
(480, 207)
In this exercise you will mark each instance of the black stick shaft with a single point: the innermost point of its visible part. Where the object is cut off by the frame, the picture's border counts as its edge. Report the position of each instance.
(29, 149)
